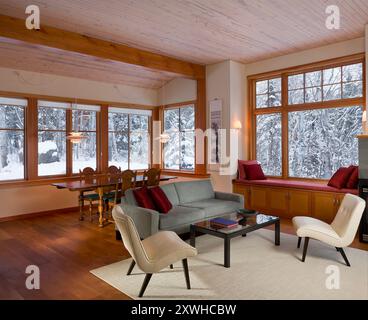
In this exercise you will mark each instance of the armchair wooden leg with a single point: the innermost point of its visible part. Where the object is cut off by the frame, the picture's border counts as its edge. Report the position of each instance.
(186, 272)
(306, 241)
(145, 284)
(131, 267)
(341, 250)
(299, 241)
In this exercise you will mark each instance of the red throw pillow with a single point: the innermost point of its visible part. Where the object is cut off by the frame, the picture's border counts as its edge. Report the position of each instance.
(160, 199)
(353, 179)
(254, 172)
(340, 177)
(143, 198)
(241, 172)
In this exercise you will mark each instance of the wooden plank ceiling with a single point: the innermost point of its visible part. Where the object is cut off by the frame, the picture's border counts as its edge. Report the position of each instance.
(198, 31)
(24, 56)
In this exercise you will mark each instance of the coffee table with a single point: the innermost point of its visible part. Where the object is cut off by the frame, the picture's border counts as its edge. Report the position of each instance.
(245, 225)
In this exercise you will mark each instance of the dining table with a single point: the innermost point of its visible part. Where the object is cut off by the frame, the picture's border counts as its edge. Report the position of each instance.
(100, 184)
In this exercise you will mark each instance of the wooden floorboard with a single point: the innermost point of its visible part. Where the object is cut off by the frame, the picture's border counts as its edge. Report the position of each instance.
(65, 249)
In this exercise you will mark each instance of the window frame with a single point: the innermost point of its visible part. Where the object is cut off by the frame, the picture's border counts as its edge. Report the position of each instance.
(31, 177)
(25, 111)
(173, 107)
(285, 107)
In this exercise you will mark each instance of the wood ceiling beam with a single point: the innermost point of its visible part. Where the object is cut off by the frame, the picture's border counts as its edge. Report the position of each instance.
(15, 28)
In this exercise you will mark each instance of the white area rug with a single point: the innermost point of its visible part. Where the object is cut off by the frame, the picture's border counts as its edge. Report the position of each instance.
(259, 270)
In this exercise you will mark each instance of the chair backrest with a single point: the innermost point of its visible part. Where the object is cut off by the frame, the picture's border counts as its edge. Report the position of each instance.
(113, 170)
(347, 219)
(130, 237)
(87, 173)
(151, 177)
(128, 180)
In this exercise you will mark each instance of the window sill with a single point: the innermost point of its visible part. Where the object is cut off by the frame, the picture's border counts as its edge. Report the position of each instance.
(182, 173)
(37, 182)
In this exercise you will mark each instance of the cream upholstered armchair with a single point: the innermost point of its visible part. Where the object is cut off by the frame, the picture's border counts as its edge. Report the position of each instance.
(155, 252)
(340, 233)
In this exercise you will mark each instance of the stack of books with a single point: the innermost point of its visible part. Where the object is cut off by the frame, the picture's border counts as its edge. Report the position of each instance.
(223, 223)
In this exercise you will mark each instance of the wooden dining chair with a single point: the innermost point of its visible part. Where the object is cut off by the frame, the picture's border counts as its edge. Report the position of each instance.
(87, 173)
(151, 177)
(128, 181)
(113, 170)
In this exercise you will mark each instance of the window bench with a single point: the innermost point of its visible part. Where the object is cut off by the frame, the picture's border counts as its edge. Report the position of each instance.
(289, 198)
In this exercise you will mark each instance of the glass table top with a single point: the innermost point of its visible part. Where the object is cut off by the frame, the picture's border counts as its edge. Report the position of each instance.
(240, 222)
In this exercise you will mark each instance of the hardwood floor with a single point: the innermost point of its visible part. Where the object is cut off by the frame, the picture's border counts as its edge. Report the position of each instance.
(66, 250)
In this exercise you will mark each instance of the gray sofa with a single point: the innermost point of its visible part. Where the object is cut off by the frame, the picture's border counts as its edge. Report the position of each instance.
(192, 201)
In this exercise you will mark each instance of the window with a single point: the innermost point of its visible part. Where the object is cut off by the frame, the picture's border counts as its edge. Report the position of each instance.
(269, 143)
(179, 151)
(84, 120)
(323, 140)
(52, 138)
(336, 83)
(314, 126)
(268, 93)
(12, 151)
(129, 138)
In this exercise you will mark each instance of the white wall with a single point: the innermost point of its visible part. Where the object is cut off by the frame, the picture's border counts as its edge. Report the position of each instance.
(225, 81)
(60, 86)
(178, 90)
(22, 200)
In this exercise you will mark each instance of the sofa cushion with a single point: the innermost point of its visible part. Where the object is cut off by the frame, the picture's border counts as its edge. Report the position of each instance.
(215, 207)
(180, 215)
(241, 172)
(190, 191)
(340, 177)
(254, 172)
(171, 193)
(160, 199)
(143, 198)
(353, 179)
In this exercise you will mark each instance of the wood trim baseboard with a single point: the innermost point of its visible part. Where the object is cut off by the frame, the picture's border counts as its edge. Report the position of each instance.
(37, 214)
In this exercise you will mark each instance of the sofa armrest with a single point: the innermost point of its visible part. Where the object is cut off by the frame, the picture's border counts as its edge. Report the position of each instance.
(145, 220)
(230, 197)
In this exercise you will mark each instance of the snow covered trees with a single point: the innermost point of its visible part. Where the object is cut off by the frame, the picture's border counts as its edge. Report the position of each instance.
(320, 139)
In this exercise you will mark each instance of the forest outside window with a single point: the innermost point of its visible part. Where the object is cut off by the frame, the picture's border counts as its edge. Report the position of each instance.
(12, 117)
(179, 151)
(129, 138)
(52, 138)
(316, 124)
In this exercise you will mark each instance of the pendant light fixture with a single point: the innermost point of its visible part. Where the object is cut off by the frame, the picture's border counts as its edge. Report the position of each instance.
(75, 137)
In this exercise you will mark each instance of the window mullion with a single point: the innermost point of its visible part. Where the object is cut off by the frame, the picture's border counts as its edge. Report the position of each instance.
(69, 146)
(284, 127)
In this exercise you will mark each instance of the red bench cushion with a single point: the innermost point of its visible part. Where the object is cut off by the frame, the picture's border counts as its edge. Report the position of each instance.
(296, 184)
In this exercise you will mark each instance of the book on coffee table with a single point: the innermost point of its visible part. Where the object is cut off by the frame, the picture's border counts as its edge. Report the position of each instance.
(223, 223)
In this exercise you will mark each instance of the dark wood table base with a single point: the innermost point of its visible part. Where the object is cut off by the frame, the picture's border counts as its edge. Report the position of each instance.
(228, 236)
